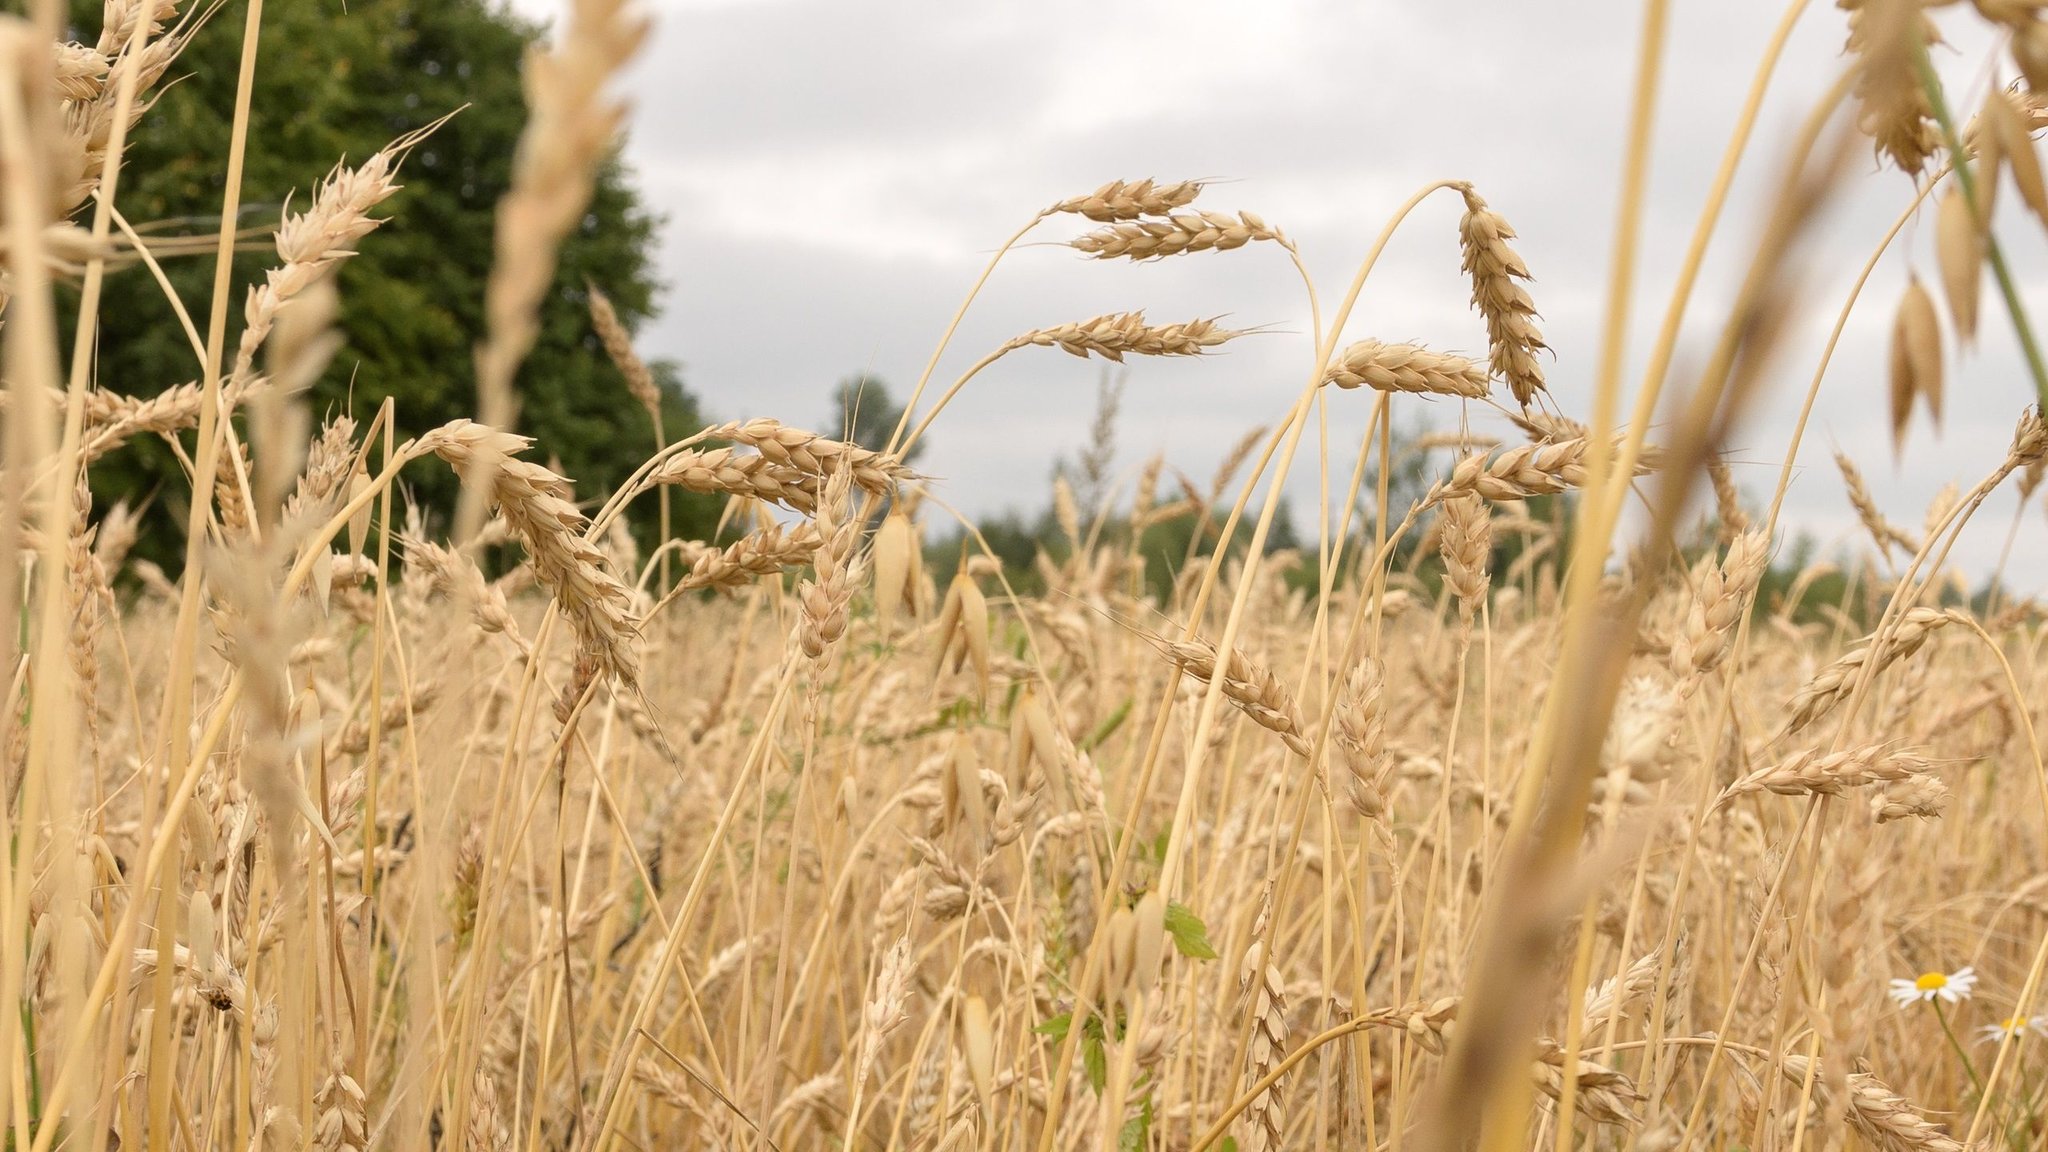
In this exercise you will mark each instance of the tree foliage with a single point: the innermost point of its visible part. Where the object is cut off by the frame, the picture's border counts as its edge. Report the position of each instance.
(865, 412)
(340, 82)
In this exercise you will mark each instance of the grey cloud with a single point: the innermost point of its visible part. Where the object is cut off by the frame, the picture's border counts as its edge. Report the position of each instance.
(836, 175)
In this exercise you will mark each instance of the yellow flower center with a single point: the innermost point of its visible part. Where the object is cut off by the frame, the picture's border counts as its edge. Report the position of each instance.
(1931, 982)
(2012, 1025)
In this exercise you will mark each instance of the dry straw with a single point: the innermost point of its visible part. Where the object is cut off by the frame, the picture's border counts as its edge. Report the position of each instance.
(627, 901)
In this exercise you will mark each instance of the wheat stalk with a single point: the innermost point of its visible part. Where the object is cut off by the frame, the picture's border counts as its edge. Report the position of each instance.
(1406, 368)
(535, 503)
(1819, 695)
(1114, 336)
(1178, 233)
(1811, 772)
(1122, 200)
(1497, 273)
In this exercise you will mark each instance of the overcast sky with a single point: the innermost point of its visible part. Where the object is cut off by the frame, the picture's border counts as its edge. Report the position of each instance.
(834, 175)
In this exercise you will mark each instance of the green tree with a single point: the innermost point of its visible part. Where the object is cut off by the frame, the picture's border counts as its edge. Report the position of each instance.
(335, 81)
(864, 412)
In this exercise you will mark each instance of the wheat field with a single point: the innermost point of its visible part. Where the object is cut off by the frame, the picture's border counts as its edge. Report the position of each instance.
(1547, 806)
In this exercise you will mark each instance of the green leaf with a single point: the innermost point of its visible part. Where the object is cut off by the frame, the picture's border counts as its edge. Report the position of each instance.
(1094, 1062)
(1056, 1027)
(1108, 727)
(1190, 935)
(1137, 1130)
(1229, 1144)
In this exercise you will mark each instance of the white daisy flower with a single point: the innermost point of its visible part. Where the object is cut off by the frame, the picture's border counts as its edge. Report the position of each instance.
(2012, 1028)
(1946, 986)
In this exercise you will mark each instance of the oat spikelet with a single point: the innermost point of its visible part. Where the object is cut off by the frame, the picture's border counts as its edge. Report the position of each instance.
(1178, 233)
(1887, 37)
(963, 631)
(1960, 248)
(1916, 359)
(1497, 271)
(2029, 43)
(1114, 336)
(899, 575)
(1121, 200)
(2006, 123)
(1406, 368)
